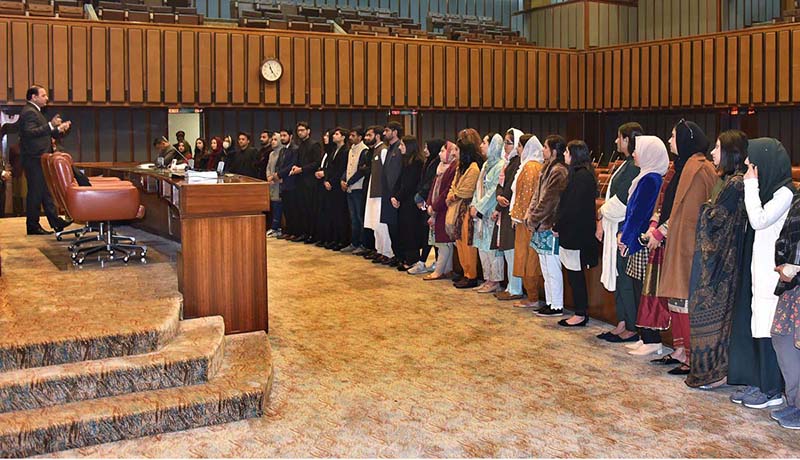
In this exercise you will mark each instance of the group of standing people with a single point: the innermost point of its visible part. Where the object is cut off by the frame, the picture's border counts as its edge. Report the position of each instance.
(706, 247)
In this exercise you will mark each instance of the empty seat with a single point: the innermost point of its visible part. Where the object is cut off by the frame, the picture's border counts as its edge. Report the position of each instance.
(289, 9)
(381, 30)
(298, 25)
(248, 14)
(161, 9)
(108, 14)
(138, 16)
(254, 23)
(318, 27)
(65, 11)
(163, 18)
(185, 10)
(39, 9)
(190, 19)
(136, 7)
(330, 13)
(15, 8)
(278, 24)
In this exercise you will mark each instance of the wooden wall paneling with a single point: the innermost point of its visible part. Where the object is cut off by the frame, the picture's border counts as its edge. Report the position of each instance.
(709, 65)
(719, 70)
(675, 74)
(169, 57)
(552, 83)
(614, 21)
(413, 70)
(665, 56)
(625, 69)
(594, 32)
(220, 69)
(582, 81)
(136, 66)
(315, 73)
(329, 71)
(345, 79)
(744, 69)
(795, 66)
(655, 75)
(732, 88)
(425, 78)
(6, 64)
(531, 78)
(238, 76)
(599, 84)
(400, 70)
(285, 83)
(300, 58)
(784, 43)
(574, 81)
(563, 83)
(254, 79)
(697, 73)
(60, 83)
(475, 84)
(464, 77)
(770, 54)
(613, 66)
(359, 70)
(386, 75)
(499, 79)
(205, 68)
(20, 76)
(644, 78)
(541, 91)
(117, 58)
(438, 76)
(510, 80)
(189, 71)
(153, 69)
(687, 73)
(591, 76)
(757, 67)
(658, 17)
(41, 56)
(521, 75)
(635, 76)
(373, 75)
(269, 50)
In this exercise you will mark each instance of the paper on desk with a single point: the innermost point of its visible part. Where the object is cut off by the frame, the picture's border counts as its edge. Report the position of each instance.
(201, 176)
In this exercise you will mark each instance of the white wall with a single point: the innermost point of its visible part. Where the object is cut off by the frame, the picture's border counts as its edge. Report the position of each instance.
(186, 122)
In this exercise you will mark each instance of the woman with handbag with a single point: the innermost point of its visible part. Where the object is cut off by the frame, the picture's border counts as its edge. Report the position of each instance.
(541, 218)
(437, 210)
(652, 160)
(459, 225)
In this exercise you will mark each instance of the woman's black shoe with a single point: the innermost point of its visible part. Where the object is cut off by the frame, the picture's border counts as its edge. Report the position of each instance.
(617, 339)
(466, 283)
(683, 369)
(564, 323)
(665, 361)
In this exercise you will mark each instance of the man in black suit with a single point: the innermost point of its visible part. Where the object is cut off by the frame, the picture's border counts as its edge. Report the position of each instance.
(244, 160)
(309, 156)
(35, 134)
(392, 166)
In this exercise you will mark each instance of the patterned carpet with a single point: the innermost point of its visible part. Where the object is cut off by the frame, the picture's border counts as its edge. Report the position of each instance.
(375, 363)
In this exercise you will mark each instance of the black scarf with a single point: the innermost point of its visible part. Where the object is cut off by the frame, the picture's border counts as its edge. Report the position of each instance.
(690, 139)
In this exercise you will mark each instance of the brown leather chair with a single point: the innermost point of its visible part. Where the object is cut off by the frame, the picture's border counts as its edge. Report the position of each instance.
(106, 203)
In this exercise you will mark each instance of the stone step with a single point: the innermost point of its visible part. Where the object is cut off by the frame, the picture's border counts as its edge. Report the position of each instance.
(190, 359)
(239, 390)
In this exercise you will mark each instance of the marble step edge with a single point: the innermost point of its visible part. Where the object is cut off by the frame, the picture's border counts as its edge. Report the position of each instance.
(239, 390)
(117, 340)
(191, 358)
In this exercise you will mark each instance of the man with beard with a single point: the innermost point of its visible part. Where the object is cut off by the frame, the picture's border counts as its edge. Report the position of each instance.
(372, 214)
(288, 186)
(274, 159)
(353, 185)
(244, 160)
(309, 154)
(265, 139)
(392, 166)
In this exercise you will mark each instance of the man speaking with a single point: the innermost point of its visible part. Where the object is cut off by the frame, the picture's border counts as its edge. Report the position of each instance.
(35, 135)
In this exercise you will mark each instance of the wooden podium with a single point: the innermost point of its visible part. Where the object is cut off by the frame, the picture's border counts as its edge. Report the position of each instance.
(222, 264)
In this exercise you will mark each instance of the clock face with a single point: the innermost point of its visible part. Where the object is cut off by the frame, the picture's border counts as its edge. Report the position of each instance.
(271, 70)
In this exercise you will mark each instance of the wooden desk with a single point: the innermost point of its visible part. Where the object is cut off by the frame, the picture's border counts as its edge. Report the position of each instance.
(222, 264)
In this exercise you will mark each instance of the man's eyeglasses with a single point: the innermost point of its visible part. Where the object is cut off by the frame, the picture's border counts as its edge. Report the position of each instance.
(691, 132)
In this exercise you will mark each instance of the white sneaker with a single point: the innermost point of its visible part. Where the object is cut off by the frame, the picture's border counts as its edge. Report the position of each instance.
(634, 345)
(647, 349)
(417, 269)
(431, 269)
(271, 233)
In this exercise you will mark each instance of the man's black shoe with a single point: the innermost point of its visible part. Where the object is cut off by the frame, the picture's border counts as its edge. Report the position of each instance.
(61, 224)
(39, 231)
(310, 240)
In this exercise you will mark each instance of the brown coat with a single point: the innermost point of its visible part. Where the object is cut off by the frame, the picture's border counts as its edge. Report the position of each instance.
(694, 189)
(543, 211)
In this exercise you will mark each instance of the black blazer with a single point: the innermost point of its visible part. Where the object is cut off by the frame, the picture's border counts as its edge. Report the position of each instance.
(576, 215)
(35, 134)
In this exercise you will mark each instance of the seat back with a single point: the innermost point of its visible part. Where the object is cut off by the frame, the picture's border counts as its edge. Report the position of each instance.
(49, 179)
(58, 189)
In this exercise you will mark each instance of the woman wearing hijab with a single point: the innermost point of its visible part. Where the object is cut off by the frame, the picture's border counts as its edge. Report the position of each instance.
(610, 216)
(437, 210)
(431, 151)
(717, 265)
(483, 204)
(768, 194)
(542, 216)
(652, 161)
(210, 160)
(579, 249)
(786, 324)
(411, 220)
(459, 224)
(503, 236)
(526, 260)
(691, 186)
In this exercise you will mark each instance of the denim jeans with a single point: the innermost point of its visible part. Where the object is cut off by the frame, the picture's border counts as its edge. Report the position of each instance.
(275, 209)
(355, 204)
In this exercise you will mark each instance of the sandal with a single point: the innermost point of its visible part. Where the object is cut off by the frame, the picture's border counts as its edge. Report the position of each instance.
(665, 361)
